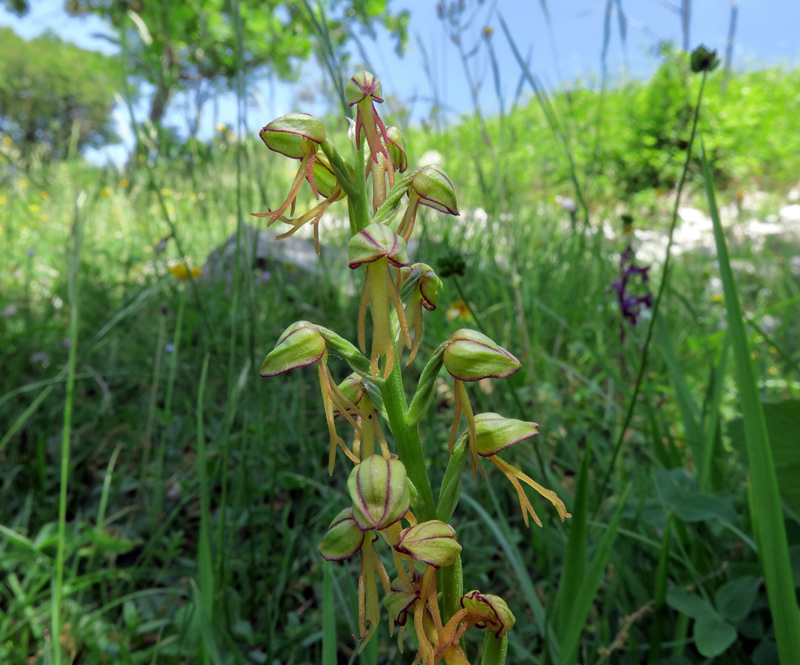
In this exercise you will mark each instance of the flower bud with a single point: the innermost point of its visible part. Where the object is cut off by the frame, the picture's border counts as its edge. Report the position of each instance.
(361, 85)
(432, 542)
(343, 538)
(376, 242)
(472, 356)
(399, 601)
(430, 286)
(493, 432)
(397, 148)
(704, 60)
(424, 281)
(435, 190)
(301, 344)
(324, 178)
(352, 389)
(494, 610)
(294, 135)
(379, 490)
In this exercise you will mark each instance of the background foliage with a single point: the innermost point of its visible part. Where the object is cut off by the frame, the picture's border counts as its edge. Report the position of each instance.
(55, 96)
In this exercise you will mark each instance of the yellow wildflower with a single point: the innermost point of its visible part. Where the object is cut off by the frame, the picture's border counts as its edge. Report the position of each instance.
(2, 199)
(34, 207)
(7, 140)
(166, 192)
(45, 218)
(124, 183)
(717, 297)
(458, 310)
(45, 195)
(105, 191)
(23, 184)
(181, 271)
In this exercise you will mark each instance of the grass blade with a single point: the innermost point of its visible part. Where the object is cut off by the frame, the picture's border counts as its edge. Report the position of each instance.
(575, 555)
(66, 431)
(206, 586)
(570, 637)
(328, 617)
(657, 630)
(766, 504)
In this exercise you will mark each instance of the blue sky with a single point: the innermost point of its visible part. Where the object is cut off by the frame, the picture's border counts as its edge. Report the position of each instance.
(767, 34)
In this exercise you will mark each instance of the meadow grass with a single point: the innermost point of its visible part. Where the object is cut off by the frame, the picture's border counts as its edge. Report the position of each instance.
(180, 508)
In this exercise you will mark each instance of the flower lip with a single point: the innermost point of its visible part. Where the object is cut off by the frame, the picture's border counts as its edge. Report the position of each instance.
(495, 433)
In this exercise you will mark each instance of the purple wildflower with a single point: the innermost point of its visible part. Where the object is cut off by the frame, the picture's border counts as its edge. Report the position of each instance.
(630, 305)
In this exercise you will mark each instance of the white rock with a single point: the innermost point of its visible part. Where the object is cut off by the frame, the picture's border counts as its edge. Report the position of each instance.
(431, 158)
(790, 213)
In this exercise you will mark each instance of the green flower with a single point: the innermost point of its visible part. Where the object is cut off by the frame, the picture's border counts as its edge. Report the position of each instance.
(297, 136)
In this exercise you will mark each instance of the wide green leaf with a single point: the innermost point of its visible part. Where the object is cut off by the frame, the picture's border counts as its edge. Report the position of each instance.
(735, 599)
(783, 425)
(689, 603)
(713, 635)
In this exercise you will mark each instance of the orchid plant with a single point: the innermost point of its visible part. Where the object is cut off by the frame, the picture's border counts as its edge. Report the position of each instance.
(391, 505)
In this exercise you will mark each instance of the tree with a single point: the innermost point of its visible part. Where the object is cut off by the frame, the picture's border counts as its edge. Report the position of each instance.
(176, 43)
(52, 93)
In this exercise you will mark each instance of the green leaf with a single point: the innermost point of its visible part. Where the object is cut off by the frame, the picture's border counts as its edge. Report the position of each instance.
(783, 423)
(704, 507)
(689, 603)
(574, 624)
(575, 554)
(766, 511)
(713, 635)
(735, 599)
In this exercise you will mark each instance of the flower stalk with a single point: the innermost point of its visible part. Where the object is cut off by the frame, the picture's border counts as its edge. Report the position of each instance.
(389, 499)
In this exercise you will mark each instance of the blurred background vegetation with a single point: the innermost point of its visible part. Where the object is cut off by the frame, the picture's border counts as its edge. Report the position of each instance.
(553, 184)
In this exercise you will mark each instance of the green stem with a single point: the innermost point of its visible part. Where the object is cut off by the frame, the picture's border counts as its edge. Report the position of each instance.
(359, 215)
(656, 306)
(66, 432)
(409, 445)
(494, 649)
